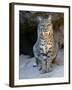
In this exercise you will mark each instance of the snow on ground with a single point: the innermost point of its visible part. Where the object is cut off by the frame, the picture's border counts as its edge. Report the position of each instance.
(27, 71)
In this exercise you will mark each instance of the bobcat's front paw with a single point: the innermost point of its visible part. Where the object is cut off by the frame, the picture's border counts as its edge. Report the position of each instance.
(50, 69)
(43, 71)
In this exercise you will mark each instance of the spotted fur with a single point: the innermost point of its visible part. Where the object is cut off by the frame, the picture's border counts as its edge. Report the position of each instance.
(45, 50)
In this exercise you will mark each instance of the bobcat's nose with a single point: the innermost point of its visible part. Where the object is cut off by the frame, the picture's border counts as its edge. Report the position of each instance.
(46, 29)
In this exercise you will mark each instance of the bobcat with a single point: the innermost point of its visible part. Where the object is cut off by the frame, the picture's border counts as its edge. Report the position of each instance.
(45, 48)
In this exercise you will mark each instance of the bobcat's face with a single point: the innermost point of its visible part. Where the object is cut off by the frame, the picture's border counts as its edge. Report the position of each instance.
(45, 24)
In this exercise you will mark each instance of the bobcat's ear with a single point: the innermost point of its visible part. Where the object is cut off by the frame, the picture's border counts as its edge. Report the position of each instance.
(50, 19)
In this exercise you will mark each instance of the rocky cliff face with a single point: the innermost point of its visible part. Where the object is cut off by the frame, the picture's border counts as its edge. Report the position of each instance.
(28, 22)
(28, 34)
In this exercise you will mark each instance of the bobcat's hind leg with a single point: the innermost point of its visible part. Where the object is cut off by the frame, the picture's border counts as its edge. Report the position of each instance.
(54, 60)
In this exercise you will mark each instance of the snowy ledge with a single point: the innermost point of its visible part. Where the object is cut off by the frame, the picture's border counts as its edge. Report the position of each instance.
(27, 71)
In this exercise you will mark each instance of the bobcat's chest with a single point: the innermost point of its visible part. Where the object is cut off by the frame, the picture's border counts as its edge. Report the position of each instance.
(48, 44)
(48, 39)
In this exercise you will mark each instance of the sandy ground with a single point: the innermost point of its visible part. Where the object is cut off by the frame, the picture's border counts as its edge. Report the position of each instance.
(27, 71)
